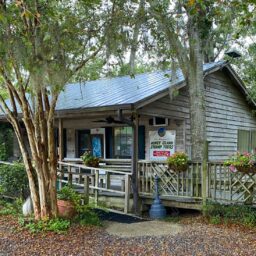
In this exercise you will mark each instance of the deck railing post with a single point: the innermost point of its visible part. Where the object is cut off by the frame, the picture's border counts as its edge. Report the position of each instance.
(96, 191)
(127, 193)
(205, 174)
(86, 189)
(107, 180)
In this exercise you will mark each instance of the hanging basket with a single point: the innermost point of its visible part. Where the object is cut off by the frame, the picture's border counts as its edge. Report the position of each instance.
(92, 163)
(246, 169)
(178, 168)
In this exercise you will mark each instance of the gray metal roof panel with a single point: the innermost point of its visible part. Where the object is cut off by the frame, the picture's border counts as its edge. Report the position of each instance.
(119, 90)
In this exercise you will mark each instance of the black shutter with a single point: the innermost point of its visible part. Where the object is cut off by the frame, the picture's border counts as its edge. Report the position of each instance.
(109, 142)
(141, 140)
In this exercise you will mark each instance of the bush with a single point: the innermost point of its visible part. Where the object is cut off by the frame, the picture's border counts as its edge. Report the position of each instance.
(85, 213)
(54, 225)
(6, 142)
(217, 213)
(14, 181)
(14, 208)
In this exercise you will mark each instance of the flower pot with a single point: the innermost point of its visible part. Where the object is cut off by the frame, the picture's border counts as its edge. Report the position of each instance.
(66, 209)
(246, 169)
(178, 168)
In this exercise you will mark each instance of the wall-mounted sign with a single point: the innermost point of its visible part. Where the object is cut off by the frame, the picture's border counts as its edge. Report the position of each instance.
(162, 144)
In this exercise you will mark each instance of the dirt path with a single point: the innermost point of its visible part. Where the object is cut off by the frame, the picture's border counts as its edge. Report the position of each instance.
(192, 239)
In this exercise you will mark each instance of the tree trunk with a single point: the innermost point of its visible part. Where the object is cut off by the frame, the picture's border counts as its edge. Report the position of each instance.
(196, 96)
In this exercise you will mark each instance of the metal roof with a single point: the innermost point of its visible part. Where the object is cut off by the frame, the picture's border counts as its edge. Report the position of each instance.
(119, 90)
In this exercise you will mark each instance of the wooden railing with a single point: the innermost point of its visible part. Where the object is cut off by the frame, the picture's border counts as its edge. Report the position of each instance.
(218, 184)
(96, 180)
(171, 184)
(231, 187)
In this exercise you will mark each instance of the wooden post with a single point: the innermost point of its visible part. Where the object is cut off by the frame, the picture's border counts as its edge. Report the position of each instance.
(134, 166)
(123, 185)
(205, 174)
(60, 140)
(127, 193)
(107, 180)
(70, 179)
(86, 189)
(96, 191)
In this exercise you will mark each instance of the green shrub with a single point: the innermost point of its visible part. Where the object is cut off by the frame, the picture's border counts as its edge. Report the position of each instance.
(14, 208)
(69, 194)
(230, 213)
(89, 217)
(55, 225)
(85, 213)
(6, 142)
(215, 220)
(14, 181)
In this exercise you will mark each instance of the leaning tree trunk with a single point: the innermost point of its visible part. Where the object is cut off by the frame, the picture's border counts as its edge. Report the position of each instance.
(196, 96)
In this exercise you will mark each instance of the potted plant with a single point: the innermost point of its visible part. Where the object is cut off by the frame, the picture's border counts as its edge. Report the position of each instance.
(242, 162)
(67, 201)
(90, 160)
(178, 162)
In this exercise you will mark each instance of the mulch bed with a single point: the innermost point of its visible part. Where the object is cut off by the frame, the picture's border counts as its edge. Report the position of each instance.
(197, 238)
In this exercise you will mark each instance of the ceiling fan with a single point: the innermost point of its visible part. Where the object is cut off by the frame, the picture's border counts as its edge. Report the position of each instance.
(109, 120)
(121, 119)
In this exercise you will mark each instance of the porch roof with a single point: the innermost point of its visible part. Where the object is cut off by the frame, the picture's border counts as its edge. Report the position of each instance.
(120, 91)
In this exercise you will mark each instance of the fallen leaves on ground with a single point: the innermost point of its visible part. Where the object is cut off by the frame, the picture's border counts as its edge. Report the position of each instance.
(197, 238)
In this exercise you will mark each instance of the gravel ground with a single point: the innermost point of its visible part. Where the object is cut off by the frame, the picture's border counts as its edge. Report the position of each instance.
(196, 238)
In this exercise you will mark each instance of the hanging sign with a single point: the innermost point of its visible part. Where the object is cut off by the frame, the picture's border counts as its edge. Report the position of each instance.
(162, 144)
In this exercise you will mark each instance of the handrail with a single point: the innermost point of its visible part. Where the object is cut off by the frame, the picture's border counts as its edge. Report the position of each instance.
(95, 178)
(93, 168)
(102, 160)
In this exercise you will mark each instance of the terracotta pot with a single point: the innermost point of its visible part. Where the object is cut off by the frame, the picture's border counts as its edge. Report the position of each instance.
(66, 209)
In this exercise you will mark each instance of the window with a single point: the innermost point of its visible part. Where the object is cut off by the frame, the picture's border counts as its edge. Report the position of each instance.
(122, 142)
(246, 141)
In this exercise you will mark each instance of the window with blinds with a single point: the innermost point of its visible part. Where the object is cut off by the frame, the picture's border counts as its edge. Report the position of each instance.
(246, 141)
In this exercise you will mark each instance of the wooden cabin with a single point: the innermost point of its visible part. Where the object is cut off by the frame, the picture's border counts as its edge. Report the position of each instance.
(88, 114)
(134, 124)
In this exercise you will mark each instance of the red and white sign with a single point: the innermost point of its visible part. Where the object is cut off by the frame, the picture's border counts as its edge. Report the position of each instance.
(162, 146)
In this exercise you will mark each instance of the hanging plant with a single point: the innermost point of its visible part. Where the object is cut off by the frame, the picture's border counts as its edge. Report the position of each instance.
(90, 160)
(178, 162)
(242, 162)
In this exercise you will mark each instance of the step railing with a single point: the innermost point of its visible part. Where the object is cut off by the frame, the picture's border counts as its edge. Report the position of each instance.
(96, 180)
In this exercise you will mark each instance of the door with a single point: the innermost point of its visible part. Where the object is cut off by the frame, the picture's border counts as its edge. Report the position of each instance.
(84, 142)
(97, 145)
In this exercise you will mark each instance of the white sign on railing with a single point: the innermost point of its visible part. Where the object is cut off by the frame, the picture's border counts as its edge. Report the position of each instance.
(162, 144)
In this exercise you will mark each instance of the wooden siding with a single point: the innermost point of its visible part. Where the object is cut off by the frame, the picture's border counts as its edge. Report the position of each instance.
(177, 110)
(227, 111)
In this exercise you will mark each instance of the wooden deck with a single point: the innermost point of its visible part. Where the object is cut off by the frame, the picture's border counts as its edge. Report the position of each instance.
(189, 189)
